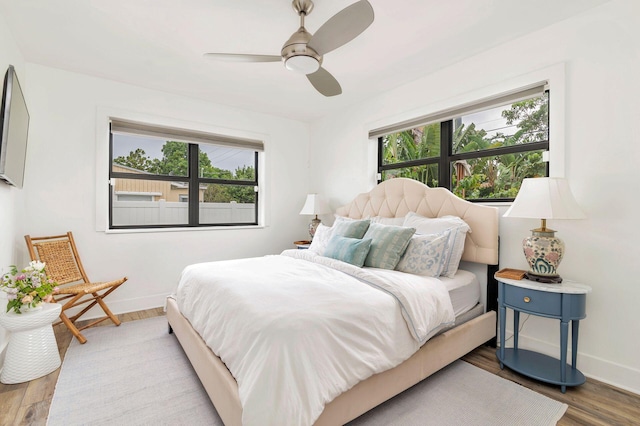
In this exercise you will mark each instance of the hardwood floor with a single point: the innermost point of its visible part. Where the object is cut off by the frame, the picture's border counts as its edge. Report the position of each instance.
(593, 403)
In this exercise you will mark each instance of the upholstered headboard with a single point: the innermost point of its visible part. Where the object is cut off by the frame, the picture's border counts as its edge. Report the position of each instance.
(399, 196)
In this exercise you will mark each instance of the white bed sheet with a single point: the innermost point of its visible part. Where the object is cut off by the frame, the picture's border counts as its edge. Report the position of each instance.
(463, 288)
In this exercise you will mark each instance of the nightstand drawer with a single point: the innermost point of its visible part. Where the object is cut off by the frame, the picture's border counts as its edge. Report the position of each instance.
(539, 302)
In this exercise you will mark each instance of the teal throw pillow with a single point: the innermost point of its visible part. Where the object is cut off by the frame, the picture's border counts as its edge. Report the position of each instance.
(388, 243)
(351, 228)
(350, 250)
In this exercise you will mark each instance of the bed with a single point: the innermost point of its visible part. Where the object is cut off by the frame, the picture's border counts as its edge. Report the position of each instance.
(473, 326)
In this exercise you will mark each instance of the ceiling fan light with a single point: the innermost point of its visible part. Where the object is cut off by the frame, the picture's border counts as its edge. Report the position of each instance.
(302, 64)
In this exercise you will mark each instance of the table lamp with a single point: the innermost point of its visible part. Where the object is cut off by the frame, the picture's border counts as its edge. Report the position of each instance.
(314, 205)
(544, 198)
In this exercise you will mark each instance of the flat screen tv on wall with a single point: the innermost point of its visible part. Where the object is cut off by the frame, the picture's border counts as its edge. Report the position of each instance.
(14, 130)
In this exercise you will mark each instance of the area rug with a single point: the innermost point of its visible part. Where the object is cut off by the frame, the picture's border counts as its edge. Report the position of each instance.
(137, 374)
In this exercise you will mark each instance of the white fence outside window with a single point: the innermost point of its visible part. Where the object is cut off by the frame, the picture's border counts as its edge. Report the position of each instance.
(176, 213)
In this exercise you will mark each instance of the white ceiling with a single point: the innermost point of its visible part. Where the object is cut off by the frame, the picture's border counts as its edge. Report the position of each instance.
(159, 44)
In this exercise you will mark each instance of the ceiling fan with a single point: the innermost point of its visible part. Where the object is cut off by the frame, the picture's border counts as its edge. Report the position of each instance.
(303, 52)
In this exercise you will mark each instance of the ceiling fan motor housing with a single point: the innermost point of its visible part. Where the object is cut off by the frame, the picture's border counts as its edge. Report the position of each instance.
(296, 54)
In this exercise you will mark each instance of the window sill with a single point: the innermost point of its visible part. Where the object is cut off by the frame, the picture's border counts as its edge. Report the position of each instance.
(185, 229)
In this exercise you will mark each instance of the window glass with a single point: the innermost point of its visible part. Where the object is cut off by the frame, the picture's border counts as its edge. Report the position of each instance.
(137, 154)
(516, 124)
(498, 176)
(224, 162)
(413, 144)
(427, 174)
(226, 204)
(148, 202)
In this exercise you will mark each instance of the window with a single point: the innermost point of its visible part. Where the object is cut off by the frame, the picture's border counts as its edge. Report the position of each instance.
(481, 151)
(167, 177)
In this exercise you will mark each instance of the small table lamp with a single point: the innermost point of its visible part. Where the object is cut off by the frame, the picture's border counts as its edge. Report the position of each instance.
(544, 198)
(314, 205)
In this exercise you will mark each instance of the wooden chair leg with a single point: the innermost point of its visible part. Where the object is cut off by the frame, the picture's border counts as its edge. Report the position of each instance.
(70, 323)
(106, 309)
(72, 327)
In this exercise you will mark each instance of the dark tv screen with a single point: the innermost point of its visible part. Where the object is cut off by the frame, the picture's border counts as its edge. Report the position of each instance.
(14, 130)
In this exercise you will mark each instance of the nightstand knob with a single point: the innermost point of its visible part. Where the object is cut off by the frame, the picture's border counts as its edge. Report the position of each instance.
(527, 299)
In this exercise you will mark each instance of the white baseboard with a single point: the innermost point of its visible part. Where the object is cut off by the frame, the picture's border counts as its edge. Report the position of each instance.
(125, 306)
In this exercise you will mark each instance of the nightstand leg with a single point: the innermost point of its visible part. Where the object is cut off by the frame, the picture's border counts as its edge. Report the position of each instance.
(516, 328)
(574, 343)
(564, 332)
(502, 318)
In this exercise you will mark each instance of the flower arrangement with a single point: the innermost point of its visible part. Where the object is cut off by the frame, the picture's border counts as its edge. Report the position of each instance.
(27, 288)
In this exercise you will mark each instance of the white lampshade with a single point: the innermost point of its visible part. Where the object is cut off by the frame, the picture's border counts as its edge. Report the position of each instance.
(315, 205)
(545, 198)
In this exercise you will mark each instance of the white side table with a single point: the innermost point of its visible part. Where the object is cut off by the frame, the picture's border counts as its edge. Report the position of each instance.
(33, 350)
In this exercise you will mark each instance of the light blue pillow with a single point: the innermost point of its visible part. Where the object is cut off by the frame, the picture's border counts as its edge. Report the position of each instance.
(425, 255)
(388, 243)
(351, 228)
(457, 237)
(350, 250)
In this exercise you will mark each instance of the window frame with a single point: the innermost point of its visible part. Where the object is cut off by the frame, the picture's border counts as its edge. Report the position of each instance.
(194, 182)
(447, 158)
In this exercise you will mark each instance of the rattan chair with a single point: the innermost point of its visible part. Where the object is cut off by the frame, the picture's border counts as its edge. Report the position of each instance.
(63, 265)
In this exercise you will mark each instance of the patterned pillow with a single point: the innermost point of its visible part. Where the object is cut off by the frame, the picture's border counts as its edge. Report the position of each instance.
(350, 228)
(388, 243)
(455, 245)
(425, 254)
(350, 250)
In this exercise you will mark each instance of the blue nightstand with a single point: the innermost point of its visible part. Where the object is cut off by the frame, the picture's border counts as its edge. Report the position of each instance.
(566, 302)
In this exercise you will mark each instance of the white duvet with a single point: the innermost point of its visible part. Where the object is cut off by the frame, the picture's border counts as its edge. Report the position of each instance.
(298, 329)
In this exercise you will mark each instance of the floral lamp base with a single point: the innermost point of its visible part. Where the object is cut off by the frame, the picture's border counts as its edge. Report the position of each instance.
(544, 252)
(313, 226)
(33, 350)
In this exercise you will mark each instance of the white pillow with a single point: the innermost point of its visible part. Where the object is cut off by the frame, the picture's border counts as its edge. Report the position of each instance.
(337, 218)
(393, 221)
(425, 254)
(321, 239)
(455, 244)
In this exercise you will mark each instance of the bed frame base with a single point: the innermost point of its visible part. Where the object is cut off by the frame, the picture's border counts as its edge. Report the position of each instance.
(437, 353)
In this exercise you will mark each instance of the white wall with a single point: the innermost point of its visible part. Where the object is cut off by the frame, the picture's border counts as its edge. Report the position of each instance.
(68, 129)
(9, 55)
(599, 52)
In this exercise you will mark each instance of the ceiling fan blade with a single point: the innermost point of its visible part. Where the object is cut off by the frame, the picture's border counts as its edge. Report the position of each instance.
(342, 27)
(240, 57)
(324, 82)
